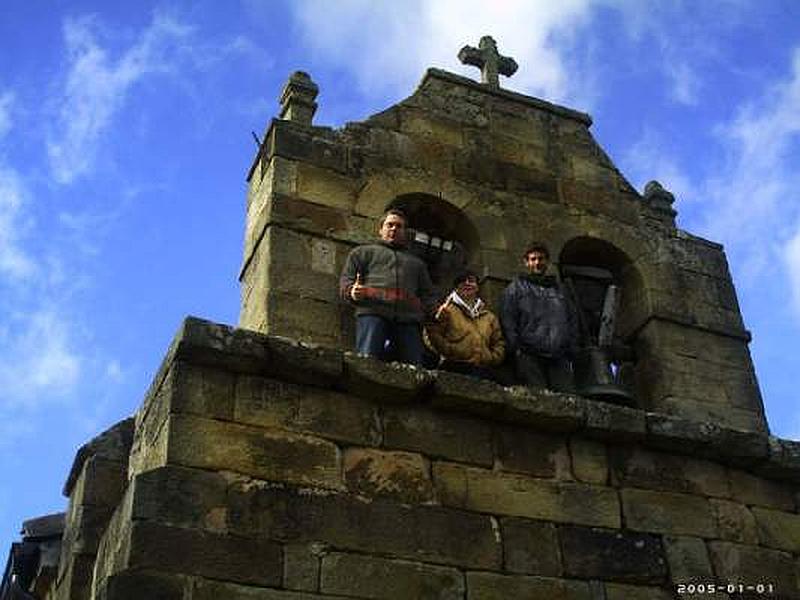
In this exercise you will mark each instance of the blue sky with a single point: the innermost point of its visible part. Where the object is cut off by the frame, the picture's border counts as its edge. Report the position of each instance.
(125, 142)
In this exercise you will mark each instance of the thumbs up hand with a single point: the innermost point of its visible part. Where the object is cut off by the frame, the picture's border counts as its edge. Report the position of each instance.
(357, 291)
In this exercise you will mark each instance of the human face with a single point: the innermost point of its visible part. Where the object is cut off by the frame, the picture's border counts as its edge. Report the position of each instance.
(536, 262)
(393, 230)
(468, 289)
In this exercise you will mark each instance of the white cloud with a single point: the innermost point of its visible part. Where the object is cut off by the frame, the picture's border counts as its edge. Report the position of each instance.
(39, 360)
(404, 38)
(650, 158)
(792, 259)
(96, 87)
(14, 260)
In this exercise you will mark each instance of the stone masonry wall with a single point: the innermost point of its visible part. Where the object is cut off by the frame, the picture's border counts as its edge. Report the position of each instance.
(518, 169)
(264, 469)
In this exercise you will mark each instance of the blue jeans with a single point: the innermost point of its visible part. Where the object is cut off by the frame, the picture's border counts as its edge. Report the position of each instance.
(387, 340)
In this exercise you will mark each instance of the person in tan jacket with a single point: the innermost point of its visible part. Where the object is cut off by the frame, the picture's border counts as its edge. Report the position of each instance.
(465, 334)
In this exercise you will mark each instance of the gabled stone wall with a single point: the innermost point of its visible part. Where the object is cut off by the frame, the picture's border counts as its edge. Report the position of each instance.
(516, 168)
(266, 469)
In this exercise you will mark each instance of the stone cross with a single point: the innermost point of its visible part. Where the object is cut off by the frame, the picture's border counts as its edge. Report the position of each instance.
(488, 60)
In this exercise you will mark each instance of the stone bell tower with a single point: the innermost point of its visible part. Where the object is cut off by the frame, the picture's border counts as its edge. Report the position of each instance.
(262, 467)
(481, 171)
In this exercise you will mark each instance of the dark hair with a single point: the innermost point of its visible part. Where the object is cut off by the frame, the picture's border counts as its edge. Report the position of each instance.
(394, 211)
(537, 247)
(463, 276)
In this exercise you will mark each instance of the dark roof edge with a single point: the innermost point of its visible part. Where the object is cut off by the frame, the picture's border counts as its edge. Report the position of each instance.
(561, 111)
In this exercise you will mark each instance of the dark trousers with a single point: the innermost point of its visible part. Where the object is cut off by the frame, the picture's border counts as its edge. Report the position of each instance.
(539, 371)
(388, 340)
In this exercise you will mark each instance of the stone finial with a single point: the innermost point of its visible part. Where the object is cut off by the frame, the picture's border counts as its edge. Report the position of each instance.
(660, 199)
(297, 98)
(488, 60)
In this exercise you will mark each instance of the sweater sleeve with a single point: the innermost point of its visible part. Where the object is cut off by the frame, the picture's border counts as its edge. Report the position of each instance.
(352, 267)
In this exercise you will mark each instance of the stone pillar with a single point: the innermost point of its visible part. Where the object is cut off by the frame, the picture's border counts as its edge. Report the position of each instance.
(297, 99)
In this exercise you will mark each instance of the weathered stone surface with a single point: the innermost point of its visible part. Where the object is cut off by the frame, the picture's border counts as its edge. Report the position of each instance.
(113, 444)
(150, 584)
(675, 434)
(265, 454)
(207, 589)
(593, 553)
(192, 552)
(524, 451)
(751, 565)
(75, 577)
(426, 533)
(376, 380)
(181, 497)
(589, 461)
(635, 467)
(517, 495)
(618, 591)
(784, 460)
(438, 434)
(400, 476)
(530, 547)
(614, 423)
(667, 512)
(778, 529)
(491, 586)
(379, 578)
(735, 522)
(276, 404)
(301, 566)
(455, 391)
(202, 391)
(751, 489)
(688, 560)
(101, 482)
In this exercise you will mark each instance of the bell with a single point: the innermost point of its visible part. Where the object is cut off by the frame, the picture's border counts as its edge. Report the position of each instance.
(595, 379)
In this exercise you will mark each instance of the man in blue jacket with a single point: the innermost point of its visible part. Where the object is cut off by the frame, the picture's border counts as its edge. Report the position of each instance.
(391, 291)
(539, 324)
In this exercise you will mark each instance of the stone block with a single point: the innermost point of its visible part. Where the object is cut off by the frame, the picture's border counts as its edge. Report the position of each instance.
(778, 529)
(310, 321)
(750, 565)
(75, 577)
(265, 454)
(523, 451)
(101, 483)
(589, 461)
(530, 547)
(688, 560)
(114, 444)
(223, 347)
(301, 566)
(784, 460)
(619, 591)
(667, 512)
(614, 423)
(753, 490)
(180, 497)
(200, 390)
(636, 467)
(377, 380)
(326, 187)
(193, 552)
(492, 586)
(276, 404)
(208, 589)
(425, 533)
(459, 392)
(735, 522)
(150, 584)
(400, 476)
(593, 553)
(383, 579)
(438, 434)
(85, 526)
(516, 495)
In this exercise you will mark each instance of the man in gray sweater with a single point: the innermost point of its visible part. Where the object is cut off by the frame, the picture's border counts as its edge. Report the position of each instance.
(392, 294)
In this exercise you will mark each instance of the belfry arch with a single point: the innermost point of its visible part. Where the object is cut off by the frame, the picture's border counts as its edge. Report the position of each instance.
(440, 234)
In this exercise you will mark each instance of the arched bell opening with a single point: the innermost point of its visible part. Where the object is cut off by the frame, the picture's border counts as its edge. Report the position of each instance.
(606, 289)
(441, 235)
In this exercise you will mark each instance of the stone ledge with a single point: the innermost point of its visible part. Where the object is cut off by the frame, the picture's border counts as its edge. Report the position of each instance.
(248, 352)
